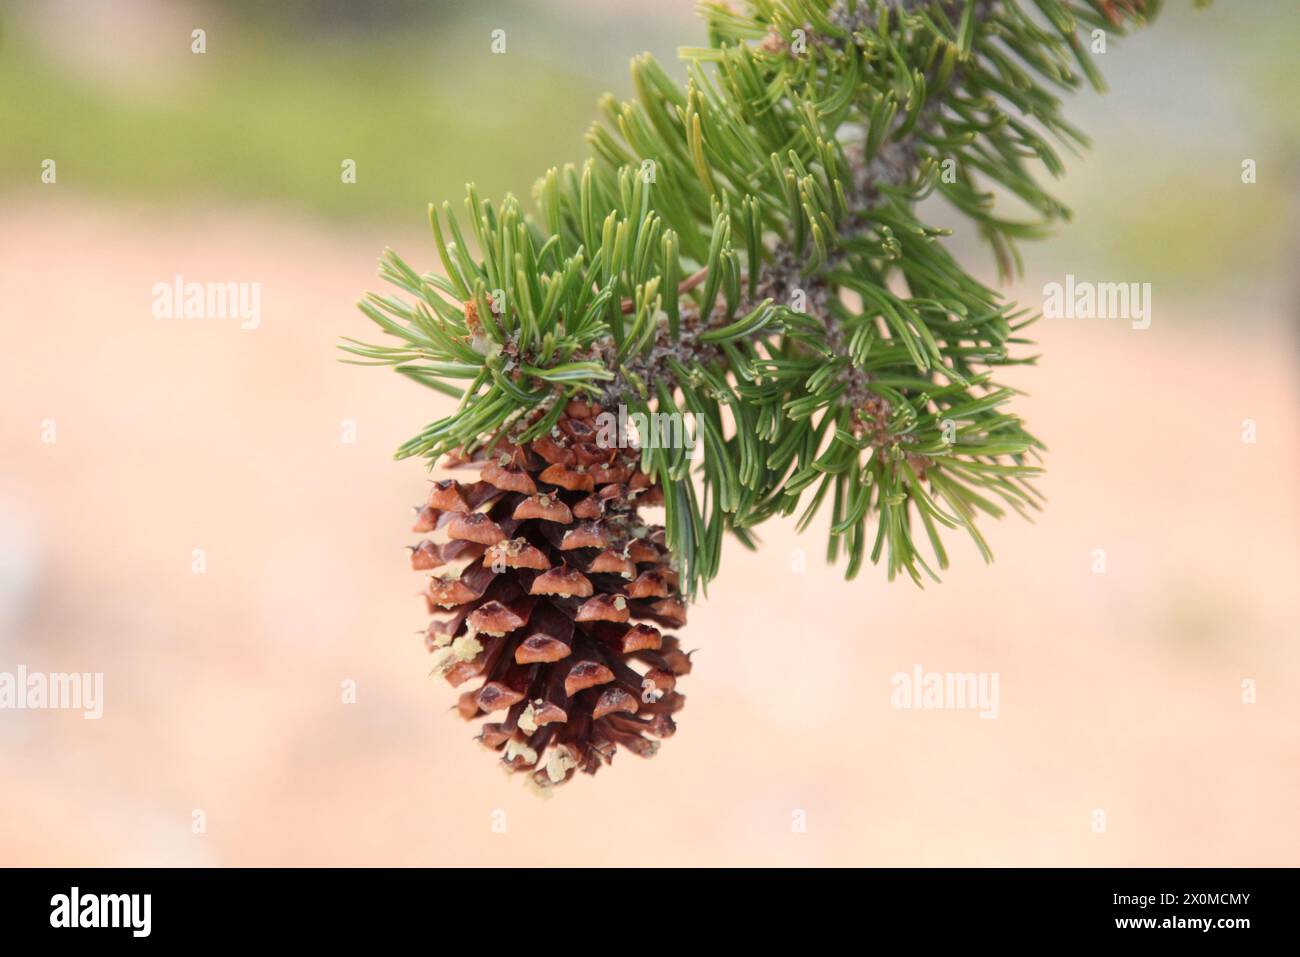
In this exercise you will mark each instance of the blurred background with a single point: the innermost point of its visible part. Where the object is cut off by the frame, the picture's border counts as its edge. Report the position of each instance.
(127, 442)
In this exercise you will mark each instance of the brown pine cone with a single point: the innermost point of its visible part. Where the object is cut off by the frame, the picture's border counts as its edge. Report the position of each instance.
(548, 586)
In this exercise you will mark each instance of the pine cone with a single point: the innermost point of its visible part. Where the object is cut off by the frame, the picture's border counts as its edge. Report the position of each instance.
(548, 587)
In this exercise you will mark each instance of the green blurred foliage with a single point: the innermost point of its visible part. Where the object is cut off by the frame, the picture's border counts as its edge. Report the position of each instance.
(1160, 197)
(412, 92)
(286, 92)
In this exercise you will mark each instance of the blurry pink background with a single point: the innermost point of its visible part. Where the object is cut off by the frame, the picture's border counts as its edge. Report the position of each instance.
(1119, 691)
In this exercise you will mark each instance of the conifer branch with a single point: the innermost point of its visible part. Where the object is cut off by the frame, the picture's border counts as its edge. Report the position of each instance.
(747, 250)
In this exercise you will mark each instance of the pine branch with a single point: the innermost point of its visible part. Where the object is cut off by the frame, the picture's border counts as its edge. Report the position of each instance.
(747, 250)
